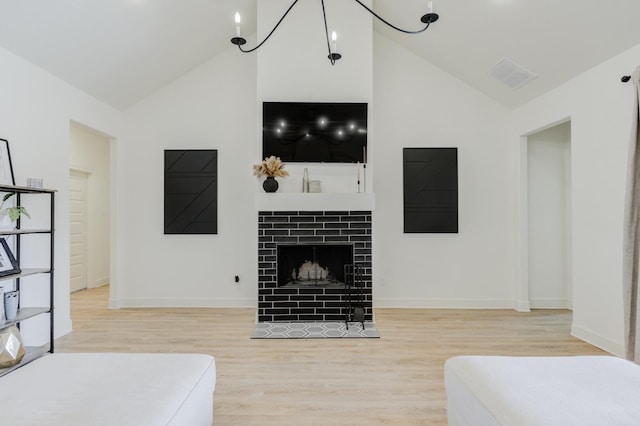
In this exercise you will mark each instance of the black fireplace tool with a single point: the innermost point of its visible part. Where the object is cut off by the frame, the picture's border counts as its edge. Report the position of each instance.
(354, 294)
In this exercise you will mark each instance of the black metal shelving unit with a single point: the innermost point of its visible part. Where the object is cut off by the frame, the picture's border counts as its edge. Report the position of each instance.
(25, 313)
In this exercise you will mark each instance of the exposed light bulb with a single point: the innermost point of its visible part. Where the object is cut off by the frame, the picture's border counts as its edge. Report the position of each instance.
(238, 20)
(283, 123)
(430, 7)
(334, 38)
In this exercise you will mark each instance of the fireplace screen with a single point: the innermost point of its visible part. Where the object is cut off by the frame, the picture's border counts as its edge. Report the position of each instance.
(320, 265)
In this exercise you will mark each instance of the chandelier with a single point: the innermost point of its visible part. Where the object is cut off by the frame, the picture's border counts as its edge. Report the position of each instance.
(427, 19)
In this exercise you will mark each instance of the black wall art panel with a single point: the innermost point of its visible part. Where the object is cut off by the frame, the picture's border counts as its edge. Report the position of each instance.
(191, 191)
(430, 190)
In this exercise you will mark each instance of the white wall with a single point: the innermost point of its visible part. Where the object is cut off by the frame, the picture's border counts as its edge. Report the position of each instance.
(418, 105)
(212, 107)
(600, 110)
(35, 113)
(89, 152)
(549, 192)
(293, 64)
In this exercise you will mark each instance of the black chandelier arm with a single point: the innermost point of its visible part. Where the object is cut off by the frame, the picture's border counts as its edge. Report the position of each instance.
(326, 33)
(390, 24)
(271, 32)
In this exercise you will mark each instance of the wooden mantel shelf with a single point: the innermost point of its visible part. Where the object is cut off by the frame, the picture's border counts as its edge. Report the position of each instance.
(284, 201)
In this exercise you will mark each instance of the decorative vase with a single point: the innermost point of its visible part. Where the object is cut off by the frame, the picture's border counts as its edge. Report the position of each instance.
(305, 180)
(11, 347)
(270, 184)
(11, 299)
(5, 221)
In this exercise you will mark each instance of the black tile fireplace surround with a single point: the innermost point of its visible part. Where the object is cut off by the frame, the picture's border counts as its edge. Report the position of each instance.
(310, 303)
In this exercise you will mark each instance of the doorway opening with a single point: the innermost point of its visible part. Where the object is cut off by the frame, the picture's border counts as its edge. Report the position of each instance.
(89, 209)
(546, 255)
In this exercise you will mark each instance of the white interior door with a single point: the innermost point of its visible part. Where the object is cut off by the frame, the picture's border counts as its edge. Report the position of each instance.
(78, 229)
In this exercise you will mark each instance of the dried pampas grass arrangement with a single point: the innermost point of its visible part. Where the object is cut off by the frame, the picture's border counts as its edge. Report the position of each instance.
(270, 167)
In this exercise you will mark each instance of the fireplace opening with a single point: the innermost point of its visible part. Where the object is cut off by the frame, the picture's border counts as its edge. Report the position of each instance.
(313, 265)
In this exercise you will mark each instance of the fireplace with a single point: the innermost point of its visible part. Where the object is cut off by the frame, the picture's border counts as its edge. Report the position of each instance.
(313, 265)
(319, 243)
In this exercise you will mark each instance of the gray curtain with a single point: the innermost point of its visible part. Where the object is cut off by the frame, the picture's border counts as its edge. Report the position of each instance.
(632, 234)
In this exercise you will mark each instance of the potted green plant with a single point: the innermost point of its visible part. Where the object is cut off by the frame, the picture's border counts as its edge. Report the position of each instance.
(12, 213)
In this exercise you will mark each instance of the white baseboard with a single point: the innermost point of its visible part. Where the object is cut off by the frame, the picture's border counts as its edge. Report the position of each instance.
(100, 282)
(182, 303)
(444, 303)
(523, 306)
(62, 327)
(597, 340)
(550, 304)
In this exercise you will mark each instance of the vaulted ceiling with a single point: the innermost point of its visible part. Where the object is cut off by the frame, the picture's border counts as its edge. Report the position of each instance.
(120, 51)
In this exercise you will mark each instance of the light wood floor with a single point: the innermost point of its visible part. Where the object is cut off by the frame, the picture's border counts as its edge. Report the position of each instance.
(397, 379)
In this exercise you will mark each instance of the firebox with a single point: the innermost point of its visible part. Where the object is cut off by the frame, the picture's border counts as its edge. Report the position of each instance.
(313, 265)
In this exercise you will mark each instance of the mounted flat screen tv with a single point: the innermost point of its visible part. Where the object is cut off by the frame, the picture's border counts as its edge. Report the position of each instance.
(305, 132)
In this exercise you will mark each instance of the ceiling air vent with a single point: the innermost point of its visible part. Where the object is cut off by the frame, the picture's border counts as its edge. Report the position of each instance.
(511, 74)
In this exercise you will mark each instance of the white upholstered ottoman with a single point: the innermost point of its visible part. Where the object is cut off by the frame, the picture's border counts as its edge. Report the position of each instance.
(523, 391)
(110, 389)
